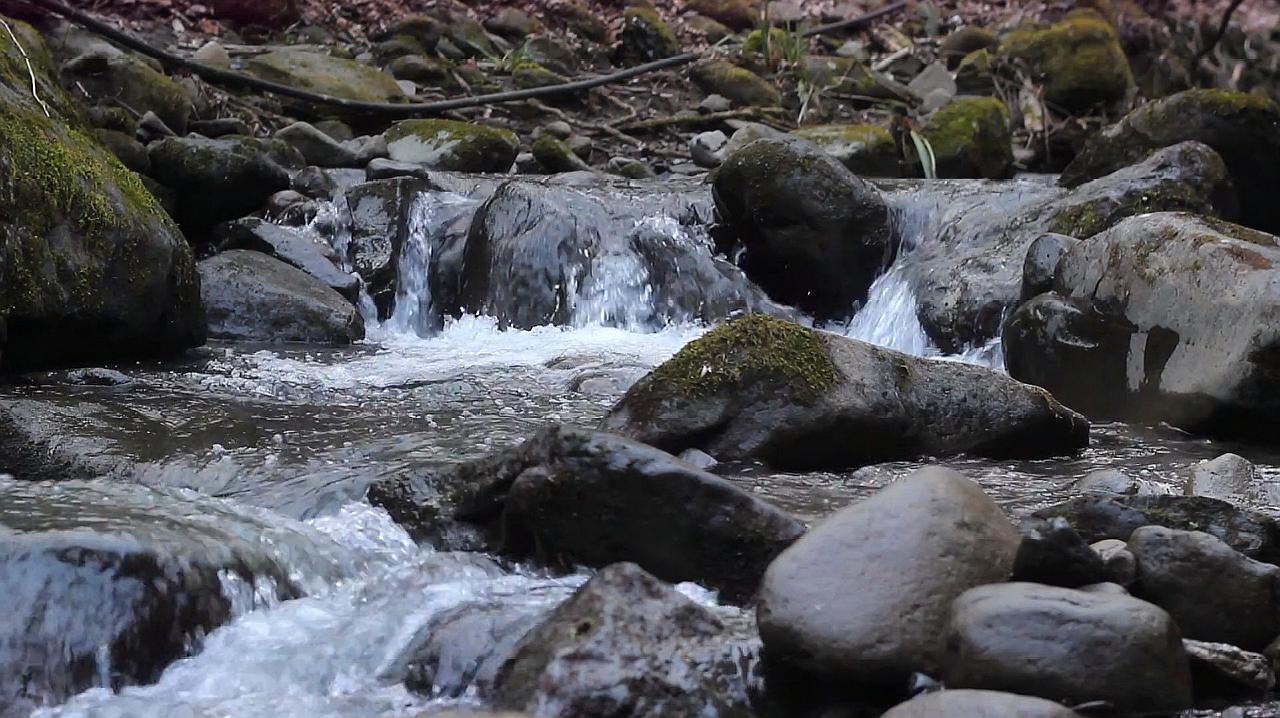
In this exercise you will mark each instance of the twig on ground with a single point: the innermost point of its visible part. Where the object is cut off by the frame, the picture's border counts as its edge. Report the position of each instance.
(35, 90)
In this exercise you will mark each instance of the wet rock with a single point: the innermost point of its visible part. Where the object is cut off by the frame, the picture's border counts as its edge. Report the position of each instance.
(1042, 262)
(1223, 670)
(627, 644)
(1117, 483)
(815, 234)
(1097, 517)
(1121, 566)
(1053, 553)
(215, 180)
(707, 148)
(124, 78)
(291, 248)
(741, 86)
(644, 37)
(459, 652)
(963, 41)
(629, 168)
(1067, 645)
(317, 148)
(250, 296)
(91, 268)
(554, 156)
(380, 213)
(1144, 329)
(326, 75)
(366, 148)
(291, 209)
(864, 596)
(1079, 60)
(970, 138)
(1240, 127)
(765, 389)
(130, 152)
(1214, 592)
(1233, 478)
(867, 150)
(452, 146)
(979, 704)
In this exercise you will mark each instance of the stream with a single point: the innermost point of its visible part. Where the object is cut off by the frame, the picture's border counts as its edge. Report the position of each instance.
(258, 457)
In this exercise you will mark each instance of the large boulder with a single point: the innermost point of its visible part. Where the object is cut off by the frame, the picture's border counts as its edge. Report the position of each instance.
(1165, 317)
(864, 596)
(252, 296)
(978, 704)
(628, 645)
(1098, 517)
(1079, 61)
(118, 77)
(452, 145)
(326, 75)
(1233, 478)
(763, 388)
(1243, 128)
(593, 498)
(970, 137)
(814, 234)
(1214, 592)
(91, 268)
(1067, 645)
(216, 180)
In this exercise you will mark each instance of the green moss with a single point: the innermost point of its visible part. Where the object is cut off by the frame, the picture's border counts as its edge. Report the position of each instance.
(739, 85)
(755, 348)
(1093, 216)
(644, 37)
(1229, 102)
(1079, 60)
(453, 145)
(531, 74)
(970, 137)
(326, 75)
(864, 148)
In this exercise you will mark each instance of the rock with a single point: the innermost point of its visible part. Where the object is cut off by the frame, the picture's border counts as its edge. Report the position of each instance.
(626, 644)
(628, 167)
(741, 86)
(387, 52)
(580, 20)
(867, 150)
(213, 54)
(1220, 669)
(963, 41)
(469, 36)
(326, 75)
(250, 296)
(554, 156)
(514, 24)
(221, 127)
(644, 37)
(1053, 553)
(1244, 129)
(129, 151)
(1097, 517)
(423, 29)
(1118, 483)
(1042, 262)
(1122, 567)
(595, 499)
(292, 209)
(975, 75)
(152, 128)
(419, 69)
(864, 596)
(91, 267)
(1143, 326)
(815, 234)
(291, 248)
(551, 54)
(559, 129)
(529, 76)
(272, 13)
(452, 146)
(317, 148)
(700, 459)
(935, 85)
(1079, 60)
(970, 138)
(216, 180)
(978, 704)
(380, 213)
(1067, 645)
(1232, 478)
(707, 148)
(1214, 592)
(711, 31)
(366, 148)
(712, 104)
(763, 388)
(123, 78)
(736, 14)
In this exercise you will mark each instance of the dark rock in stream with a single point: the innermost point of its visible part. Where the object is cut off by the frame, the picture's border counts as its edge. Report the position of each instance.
(628, 645)
(1053, 553)
(1067, 645)
(814, 234)
(292, 248)
(1220, 670)
(250, 296)
(1165, 317)
(795, 398)
(593, 498)
(863, 598)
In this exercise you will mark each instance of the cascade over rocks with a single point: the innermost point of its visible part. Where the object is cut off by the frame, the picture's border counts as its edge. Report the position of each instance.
(627, 644)
(251, 296)
(864, 596)
(763, 388)
(1165, 317)
(814, 234)
(1243, 128)
(1067, 645)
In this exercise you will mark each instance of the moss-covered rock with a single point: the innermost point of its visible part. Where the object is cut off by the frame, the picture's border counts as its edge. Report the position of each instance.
(865, 149)
(424, 29)
(452, 145)
(580, 20)
(970, 138)
(90, 267)
(1079, 60)
(218, 180)
(644, 37)
(514, 24)
(556, 156)
(131, 153)
(712, 31)
(975, 73)
(127, 79)
(846, 75)
(736, 14)
(327, 75)
(738, 85)
(773, 45)
(551, 54)
(387, 51)
(469, 36)
(963, 41)
(419, 69)
(1243, 128)
(529, 75)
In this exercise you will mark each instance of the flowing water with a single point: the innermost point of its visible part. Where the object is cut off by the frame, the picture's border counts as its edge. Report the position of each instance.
(255, 459)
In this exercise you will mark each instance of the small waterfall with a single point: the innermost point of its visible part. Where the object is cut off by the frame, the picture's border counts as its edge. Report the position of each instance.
(431, 216)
